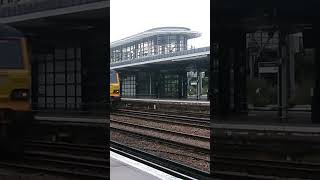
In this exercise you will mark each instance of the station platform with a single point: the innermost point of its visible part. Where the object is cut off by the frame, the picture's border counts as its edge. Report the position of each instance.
(289, 128)
(71, 117)
(168, 101)
(78, 119)
(123, 168)
(71, 120)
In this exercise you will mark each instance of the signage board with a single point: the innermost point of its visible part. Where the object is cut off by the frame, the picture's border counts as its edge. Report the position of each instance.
(268, 67)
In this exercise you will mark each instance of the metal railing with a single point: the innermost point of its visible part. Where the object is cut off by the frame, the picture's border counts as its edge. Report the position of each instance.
(160, 56)
(21, 8)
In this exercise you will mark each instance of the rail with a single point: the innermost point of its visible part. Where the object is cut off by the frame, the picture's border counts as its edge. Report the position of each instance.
(164, 131)
(176, 169)
(267, 168)
(162, 140)
(21, 8)
(183, 120)
(79, 161)
(165, 165)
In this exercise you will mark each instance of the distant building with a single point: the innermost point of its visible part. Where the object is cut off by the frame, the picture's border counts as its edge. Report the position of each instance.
(159, 63)
(152, 42)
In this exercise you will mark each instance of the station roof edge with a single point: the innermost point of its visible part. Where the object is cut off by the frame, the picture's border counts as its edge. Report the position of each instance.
(154, 32)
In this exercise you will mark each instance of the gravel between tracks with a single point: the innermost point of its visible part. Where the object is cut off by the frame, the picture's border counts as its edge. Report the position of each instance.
(164, 125)
(151, 133)
(195, 159)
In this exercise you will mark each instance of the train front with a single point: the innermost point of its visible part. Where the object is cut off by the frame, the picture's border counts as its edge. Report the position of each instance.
(114, 87)
(15, 77)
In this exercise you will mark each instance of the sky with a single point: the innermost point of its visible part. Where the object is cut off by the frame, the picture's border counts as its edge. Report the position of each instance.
(129, 17)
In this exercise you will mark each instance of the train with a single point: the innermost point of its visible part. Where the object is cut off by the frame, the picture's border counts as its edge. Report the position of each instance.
(15, 84)
(16, 113)
(115, 96)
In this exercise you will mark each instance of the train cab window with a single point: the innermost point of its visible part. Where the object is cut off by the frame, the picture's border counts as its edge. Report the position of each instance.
(113, 77)
(10, 54)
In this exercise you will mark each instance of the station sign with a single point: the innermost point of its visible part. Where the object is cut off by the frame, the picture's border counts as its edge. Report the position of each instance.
(269, 67)
(193, 83)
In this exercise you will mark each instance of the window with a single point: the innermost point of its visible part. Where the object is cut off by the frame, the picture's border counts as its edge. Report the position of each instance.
(171, 85)
(59, 79)
(128, 85)
(113, 77)
(11, 55)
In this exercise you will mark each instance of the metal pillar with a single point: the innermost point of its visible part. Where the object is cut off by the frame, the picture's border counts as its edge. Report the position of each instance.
(221, 82)
(292, 51)
(34, 82)
(158, 84)
(199, 85)
(95, 82)
(150, 84)
(283, 78)
(311, 40)
(181, 90)
(315, 116)
(240, 76)
(229, 57)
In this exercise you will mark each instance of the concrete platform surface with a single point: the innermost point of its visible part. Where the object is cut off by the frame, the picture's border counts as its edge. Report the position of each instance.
(123, 168)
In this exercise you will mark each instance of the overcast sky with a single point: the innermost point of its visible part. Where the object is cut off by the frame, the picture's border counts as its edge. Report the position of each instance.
(129, 17)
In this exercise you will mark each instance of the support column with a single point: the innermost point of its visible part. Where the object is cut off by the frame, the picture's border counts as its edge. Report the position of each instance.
(180, 85)
(199, 84)
(231, 49)
(311, 39)
(178, 42)
(185, 85)
(316, 91)
(157, 84)
(222, 82)
(150, 84)
(210, 89)
(283, 77)
(240, 75)
(34, 82)
(95, 81)
(292, 51)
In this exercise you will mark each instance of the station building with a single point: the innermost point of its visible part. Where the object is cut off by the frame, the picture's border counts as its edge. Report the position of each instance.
(160, 63)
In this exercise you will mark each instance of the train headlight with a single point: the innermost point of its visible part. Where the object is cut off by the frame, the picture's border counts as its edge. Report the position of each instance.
(20, 94)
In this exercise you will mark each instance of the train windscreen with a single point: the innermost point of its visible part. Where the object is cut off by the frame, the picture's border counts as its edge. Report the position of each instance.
(113, 77)
(10, 54)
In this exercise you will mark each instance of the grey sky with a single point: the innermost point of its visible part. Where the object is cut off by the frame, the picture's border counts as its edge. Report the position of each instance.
(129, 17)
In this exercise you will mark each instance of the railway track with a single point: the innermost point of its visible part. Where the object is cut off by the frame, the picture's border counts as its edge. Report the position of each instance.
(240, 168)
(168, 111)
(252, 169)
(162, 164)
(166, 118)
(184, 113)
(281, 169)
(197, 144)
(177, 169)
(63, 159)
(162, 134)
(82, 161)
(187, 146)
(75, 149)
